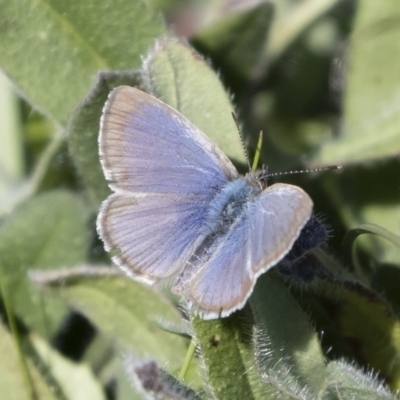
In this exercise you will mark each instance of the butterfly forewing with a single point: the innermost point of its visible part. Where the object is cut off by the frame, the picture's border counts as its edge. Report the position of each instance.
(148, 147)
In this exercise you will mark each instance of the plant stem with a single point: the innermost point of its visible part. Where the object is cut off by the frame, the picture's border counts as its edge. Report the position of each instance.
(188, 359)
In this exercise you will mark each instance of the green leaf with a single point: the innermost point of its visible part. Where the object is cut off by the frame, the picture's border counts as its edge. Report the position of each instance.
(287, 348)
(125, 391)
(46, 232)
(361, 323)
(350, 249)
(11, 378)
(83, 131)
(53, 55)
(386, 280)
(294, 66)
(11, 150)
(125, 310)
(225, 348)
(346, 382)
(364, 317)
(75, 380)
(235, 41)
(180, 77)
(362, 196)
(372, 101)
(291, 21)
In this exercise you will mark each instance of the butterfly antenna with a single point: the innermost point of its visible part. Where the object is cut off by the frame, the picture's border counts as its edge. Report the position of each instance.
(304, 171)
(234, 116)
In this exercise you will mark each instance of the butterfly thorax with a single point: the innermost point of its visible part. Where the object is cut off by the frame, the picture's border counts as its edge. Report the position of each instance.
(230, 202)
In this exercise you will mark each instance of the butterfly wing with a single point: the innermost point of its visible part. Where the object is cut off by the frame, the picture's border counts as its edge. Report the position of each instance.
(263, 236)
(164, 173)
(152, 233)
(148, 147)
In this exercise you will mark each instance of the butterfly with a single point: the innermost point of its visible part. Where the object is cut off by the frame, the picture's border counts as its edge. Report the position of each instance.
(180, 210)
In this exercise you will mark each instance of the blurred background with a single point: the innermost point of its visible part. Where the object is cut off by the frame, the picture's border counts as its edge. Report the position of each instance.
(319, 78)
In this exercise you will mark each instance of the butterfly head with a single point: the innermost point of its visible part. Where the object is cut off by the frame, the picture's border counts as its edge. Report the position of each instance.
(258, 178)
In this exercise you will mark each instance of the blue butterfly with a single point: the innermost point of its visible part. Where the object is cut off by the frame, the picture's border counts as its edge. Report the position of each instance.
(181, 210)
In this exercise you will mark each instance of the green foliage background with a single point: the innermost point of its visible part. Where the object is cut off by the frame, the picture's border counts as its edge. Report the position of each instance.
(319, 77)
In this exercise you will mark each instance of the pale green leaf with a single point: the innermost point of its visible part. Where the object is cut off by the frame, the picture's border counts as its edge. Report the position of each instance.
(83, 131)
(236, 39)
(371, 124)
(11, 377)
(361, 321)
(52, 50)
(369, 196)
(46, 232)
(180, 77)
(288, 352)
(347, 382)
(128, 312)
(75, 380)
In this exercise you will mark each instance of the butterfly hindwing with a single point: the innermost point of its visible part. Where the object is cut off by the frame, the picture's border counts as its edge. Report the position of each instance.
(262, 237)
(145, 232)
